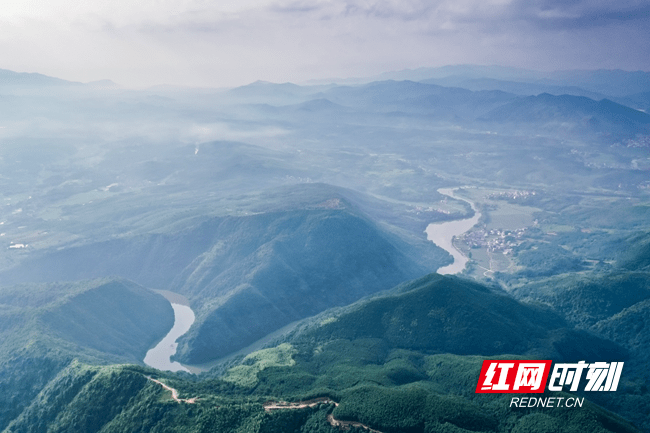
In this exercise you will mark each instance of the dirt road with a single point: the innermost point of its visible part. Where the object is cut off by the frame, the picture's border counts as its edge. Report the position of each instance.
(174, 392)
(270, 406)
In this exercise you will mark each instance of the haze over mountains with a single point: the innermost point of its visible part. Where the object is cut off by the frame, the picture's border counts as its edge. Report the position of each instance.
(292, 218)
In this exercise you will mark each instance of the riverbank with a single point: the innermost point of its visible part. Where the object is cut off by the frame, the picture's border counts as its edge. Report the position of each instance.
(159, 357)
(442, 234)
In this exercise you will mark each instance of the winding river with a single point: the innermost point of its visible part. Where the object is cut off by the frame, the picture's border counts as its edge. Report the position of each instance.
(442, 234)
(159, 356)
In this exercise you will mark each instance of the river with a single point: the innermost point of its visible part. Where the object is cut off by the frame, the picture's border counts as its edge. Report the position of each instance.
(439, 233)
(159, 356)
(442, 235)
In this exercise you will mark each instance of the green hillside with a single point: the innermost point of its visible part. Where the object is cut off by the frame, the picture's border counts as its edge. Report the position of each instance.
(615, 306)
(288, 254)
(43, 327)
(117, 317)
(443, 314)
(636, 254)
(113, 316)
(269, 270)
(585, 299)
(368, 357)
(298, 239)
(630, 328)
(120, 399)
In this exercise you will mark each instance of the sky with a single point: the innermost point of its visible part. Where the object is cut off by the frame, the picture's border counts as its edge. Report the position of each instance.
(226, 43)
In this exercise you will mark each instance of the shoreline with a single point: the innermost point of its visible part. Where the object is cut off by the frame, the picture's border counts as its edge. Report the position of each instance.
(442, 234)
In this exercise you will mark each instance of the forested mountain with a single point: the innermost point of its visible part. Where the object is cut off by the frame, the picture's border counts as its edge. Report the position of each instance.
(381, 359)
(291, 220)
(247, 276)
(43, 327)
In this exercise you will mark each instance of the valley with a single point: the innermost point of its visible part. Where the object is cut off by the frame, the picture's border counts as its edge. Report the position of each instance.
(241, 248)
(440, 234)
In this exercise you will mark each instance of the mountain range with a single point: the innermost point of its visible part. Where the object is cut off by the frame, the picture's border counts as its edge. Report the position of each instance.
(292, 219)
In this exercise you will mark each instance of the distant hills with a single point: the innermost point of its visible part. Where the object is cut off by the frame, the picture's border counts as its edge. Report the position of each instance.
(11, 78)
(638, 100)
(545, 107)
(603, 116)
(614, 83)
(419, 98)
(453, 94)
(247, 276)
(595, 84)
(25, 81)
(515, 87)
(292, 218)
(465, 98)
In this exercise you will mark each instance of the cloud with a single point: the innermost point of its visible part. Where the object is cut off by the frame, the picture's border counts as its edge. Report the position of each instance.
(572, 15)
(199, 42)
(297, 7)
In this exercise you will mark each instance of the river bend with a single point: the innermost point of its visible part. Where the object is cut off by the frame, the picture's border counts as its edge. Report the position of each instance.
(442, 234)
(159, 356)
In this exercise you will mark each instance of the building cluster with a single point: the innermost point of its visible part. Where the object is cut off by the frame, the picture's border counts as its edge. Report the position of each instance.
(494, 240)
(420, 209)
(512, 195)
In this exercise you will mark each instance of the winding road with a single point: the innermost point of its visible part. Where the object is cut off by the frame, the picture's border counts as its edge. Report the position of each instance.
(174, 392)
(340, 424)
(270, 406)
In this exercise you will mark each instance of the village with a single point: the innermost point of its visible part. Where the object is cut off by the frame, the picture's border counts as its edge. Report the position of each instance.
(511, 195)
(493, 240)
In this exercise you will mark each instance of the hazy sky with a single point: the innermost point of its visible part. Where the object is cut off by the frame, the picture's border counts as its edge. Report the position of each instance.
(226, 43)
